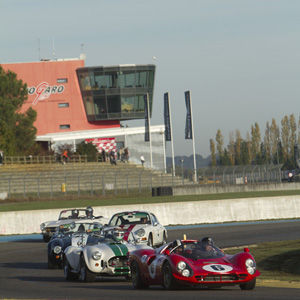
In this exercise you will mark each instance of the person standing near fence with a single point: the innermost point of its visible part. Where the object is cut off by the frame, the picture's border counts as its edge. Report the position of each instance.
(103, 155)
(142, 160)
(65, 157)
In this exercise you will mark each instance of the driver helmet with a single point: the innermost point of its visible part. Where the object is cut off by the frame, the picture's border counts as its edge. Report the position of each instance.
(118, 234)
(207, 240)
(89, 212)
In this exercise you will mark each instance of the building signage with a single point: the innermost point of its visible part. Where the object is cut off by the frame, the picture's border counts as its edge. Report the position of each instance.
(44, 91)
(107, 144)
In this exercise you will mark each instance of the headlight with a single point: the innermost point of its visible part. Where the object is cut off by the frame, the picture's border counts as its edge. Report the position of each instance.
(250, 265)
(57, 249)
(140, 232)
(186, 273)
(184, 269)
(42, 226)
(181, 265)
(96, 255)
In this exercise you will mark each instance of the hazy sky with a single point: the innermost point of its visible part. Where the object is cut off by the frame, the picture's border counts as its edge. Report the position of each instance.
(239, 58)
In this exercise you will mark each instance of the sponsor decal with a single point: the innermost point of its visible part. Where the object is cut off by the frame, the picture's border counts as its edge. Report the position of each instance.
(152, 268)
(44, 91)
(216, 268)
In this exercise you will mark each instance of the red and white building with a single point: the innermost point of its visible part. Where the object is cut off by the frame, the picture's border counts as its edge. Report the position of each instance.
(75, 103)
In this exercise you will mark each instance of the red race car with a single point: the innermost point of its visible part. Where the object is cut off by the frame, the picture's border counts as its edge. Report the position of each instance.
(192, 263)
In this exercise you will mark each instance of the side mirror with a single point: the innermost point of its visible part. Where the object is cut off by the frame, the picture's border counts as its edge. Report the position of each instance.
(167, 252)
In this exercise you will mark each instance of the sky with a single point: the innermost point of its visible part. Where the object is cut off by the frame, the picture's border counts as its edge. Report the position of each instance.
(239, 58)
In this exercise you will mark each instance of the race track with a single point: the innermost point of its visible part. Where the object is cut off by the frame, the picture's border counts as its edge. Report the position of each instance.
(24, 273)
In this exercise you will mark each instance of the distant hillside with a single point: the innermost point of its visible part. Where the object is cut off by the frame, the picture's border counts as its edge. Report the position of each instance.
(188, 161)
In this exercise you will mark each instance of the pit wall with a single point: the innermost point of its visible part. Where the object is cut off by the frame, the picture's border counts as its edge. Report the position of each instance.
(176, 213)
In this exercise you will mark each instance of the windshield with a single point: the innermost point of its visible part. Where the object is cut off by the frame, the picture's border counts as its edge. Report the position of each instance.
(73, 214)
(68, 229)
(130, 218)
(198, 250)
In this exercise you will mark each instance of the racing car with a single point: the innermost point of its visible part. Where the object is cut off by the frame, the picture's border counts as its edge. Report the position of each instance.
(192, 263)
(77, 234)
(108, 257)
(66, 216)
(141, 227)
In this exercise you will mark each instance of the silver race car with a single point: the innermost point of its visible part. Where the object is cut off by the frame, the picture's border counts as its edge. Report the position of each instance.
(66, 216)
(141, 227)
(105, 258)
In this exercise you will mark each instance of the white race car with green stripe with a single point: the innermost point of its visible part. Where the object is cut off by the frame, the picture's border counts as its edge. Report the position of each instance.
(103, 259)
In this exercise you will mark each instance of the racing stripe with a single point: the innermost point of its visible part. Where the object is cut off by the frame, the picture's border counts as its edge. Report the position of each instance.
(126, 235)
(123, 249)
(115, 249)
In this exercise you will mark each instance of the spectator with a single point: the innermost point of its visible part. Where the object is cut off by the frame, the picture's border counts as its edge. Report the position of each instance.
(103, 155)
(142, 160)
(65, 157)
(112, 157)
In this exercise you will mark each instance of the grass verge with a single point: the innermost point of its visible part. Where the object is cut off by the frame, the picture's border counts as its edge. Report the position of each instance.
(278, 263)
(67, 201)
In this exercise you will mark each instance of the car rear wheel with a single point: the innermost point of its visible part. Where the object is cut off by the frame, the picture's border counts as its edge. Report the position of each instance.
(69, 275)
(168, 278)
(248, 285)
(85, 274)
(136, 278)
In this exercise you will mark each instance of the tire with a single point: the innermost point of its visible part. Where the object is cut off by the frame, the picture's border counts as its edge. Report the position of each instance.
(169, 282)
(136, 278)
(150, 240)
(46, 238)
(51, 265)
(69, 275)
(85, 274)
(250, 285)
(164, 241)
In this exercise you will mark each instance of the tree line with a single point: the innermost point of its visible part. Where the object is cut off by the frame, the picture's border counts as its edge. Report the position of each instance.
(279, 145)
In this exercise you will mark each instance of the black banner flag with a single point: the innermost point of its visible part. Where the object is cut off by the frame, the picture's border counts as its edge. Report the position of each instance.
(147, 138)
(167, 117)
(188, 123)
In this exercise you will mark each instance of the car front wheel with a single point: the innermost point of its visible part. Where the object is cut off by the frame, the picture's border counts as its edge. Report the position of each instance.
(248, 285)
(136, 278)
(85, 274)
(168, 278)
(150, 240)
(69, 275)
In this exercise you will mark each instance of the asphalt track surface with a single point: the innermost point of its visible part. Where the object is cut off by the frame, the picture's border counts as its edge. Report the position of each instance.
(24, 273)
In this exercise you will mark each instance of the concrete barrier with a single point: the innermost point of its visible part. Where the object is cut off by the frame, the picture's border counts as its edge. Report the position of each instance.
(176, 213)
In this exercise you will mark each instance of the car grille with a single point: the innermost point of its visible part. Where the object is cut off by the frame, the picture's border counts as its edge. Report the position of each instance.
(221, 278)
(118, 262)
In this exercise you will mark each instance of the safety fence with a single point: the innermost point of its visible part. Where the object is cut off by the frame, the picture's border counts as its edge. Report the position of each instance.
(86, 183)
(70, 180)
(48, 159)
(238, 174)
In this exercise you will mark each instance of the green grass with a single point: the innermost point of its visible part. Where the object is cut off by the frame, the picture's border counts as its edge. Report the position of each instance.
(276, 260)
(34, 203)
